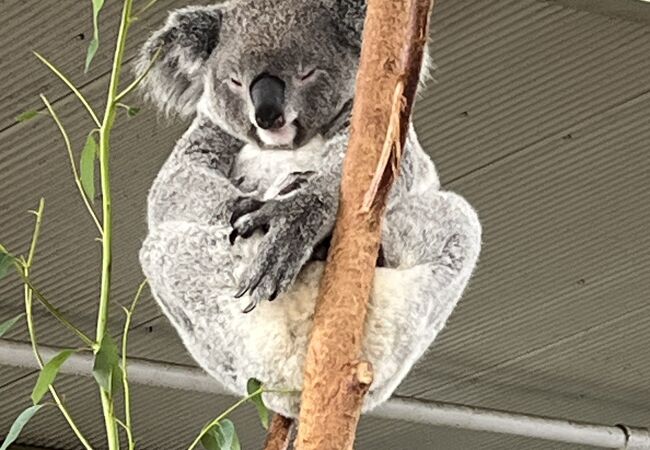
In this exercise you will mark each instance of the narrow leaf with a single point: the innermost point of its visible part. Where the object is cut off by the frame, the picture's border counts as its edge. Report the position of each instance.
(6, 264)
(48, 374)
(6, 326)
(18, 425)
(94, 43)
(87, 167)
(253, 386)
(106, 365)
(27, 115)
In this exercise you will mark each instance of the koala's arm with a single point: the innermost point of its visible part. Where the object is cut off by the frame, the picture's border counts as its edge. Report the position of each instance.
(194, 185)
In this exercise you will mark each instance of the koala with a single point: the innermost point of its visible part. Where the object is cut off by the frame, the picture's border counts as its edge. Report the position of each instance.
(250, 193)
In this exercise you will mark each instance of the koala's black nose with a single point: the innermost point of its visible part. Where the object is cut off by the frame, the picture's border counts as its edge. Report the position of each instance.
(267, 95)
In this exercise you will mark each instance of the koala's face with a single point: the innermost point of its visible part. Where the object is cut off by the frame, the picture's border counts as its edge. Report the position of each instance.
(280, 76)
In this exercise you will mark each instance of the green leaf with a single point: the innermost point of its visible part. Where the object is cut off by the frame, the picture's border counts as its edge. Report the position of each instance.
(221, 437)
(6, 263)
(48, 374)
(116, 380)
(209, 441)
(253, 386)
(27, 115)
(5, 326)
(94, 43)
(107, 364)
(87, 167)
(18, 425)
(132, 111)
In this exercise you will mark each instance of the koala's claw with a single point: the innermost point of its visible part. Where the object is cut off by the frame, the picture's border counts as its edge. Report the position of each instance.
(251, 306)
(247, 217)
(267, 279)
(242, 291)
(243, 232)
(243, 206)
(246, 288)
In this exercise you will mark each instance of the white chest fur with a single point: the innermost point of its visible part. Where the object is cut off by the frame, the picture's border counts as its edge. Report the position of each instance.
(259, 169)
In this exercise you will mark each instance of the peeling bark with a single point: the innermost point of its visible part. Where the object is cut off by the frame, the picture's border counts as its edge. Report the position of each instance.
(279, 434)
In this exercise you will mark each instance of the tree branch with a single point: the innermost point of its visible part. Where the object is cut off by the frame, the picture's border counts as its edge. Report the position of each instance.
(336, 381)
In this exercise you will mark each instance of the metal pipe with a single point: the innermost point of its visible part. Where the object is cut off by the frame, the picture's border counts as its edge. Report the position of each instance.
(140, 371)
(479, 419)
(429, 413)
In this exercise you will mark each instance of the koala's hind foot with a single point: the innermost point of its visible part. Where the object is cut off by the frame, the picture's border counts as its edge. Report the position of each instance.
(432, 240)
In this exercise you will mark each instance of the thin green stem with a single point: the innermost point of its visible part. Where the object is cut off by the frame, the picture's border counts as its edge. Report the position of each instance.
(129, 434)
(125, 379)
(71, 86)
(107, 237)
(281, 391)
(75, 173)
(143, 10)
(131, 87)
(27, 291)
(55, 311)
(223, 416)
(36, 234)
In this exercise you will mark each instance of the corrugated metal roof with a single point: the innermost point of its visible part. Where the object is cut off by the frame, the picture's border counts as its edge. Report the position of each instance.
(540, 116)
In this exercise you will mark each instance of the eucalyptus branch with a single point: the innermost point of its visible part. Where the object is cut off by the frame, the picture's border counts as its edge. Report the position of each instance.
(28, 294)
(106, 358)
(75, 173)
(71, 86)
(107, 237)
(131, 87)
(125, 380)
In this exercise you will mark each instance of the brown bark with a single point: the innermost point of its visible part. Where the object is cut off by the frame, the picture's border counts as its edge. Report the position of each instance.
(279, 433)
(336, 381)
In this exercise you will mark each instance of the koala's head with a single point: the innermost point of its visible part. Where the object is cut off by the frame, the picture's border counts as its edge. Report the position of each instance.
(276, 73)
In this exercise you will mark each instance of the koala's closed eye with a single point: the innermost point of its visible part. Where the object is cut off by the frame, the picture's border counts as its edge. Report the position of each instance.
(307, 75)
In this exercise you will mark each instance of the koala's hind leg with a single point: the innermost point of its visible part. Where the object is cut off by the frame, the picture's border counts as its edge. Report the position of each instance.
(431, 244)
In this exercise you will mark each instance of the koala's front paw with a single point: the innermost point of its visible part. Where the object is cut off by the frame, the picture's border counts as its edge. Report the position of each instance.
(250, 213)
(290, 231)
(279, 259)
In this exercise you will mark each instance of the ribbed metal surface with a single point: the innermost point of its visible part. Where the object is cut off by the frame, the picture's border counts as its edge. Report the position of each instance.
(540, 116)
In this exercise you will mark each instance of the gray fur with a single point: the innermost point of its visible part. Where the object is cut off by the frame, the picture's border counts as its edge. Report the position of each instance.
(231, 215)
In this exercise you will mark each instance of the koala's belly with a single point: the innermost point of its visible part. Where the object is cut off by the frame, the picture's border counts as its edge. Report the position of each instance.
(255, 169)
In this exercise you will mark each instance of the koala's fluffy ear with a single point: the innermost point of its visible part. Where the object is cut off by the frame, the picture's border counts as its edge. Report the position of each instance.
(175, 81)
(350, 16)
